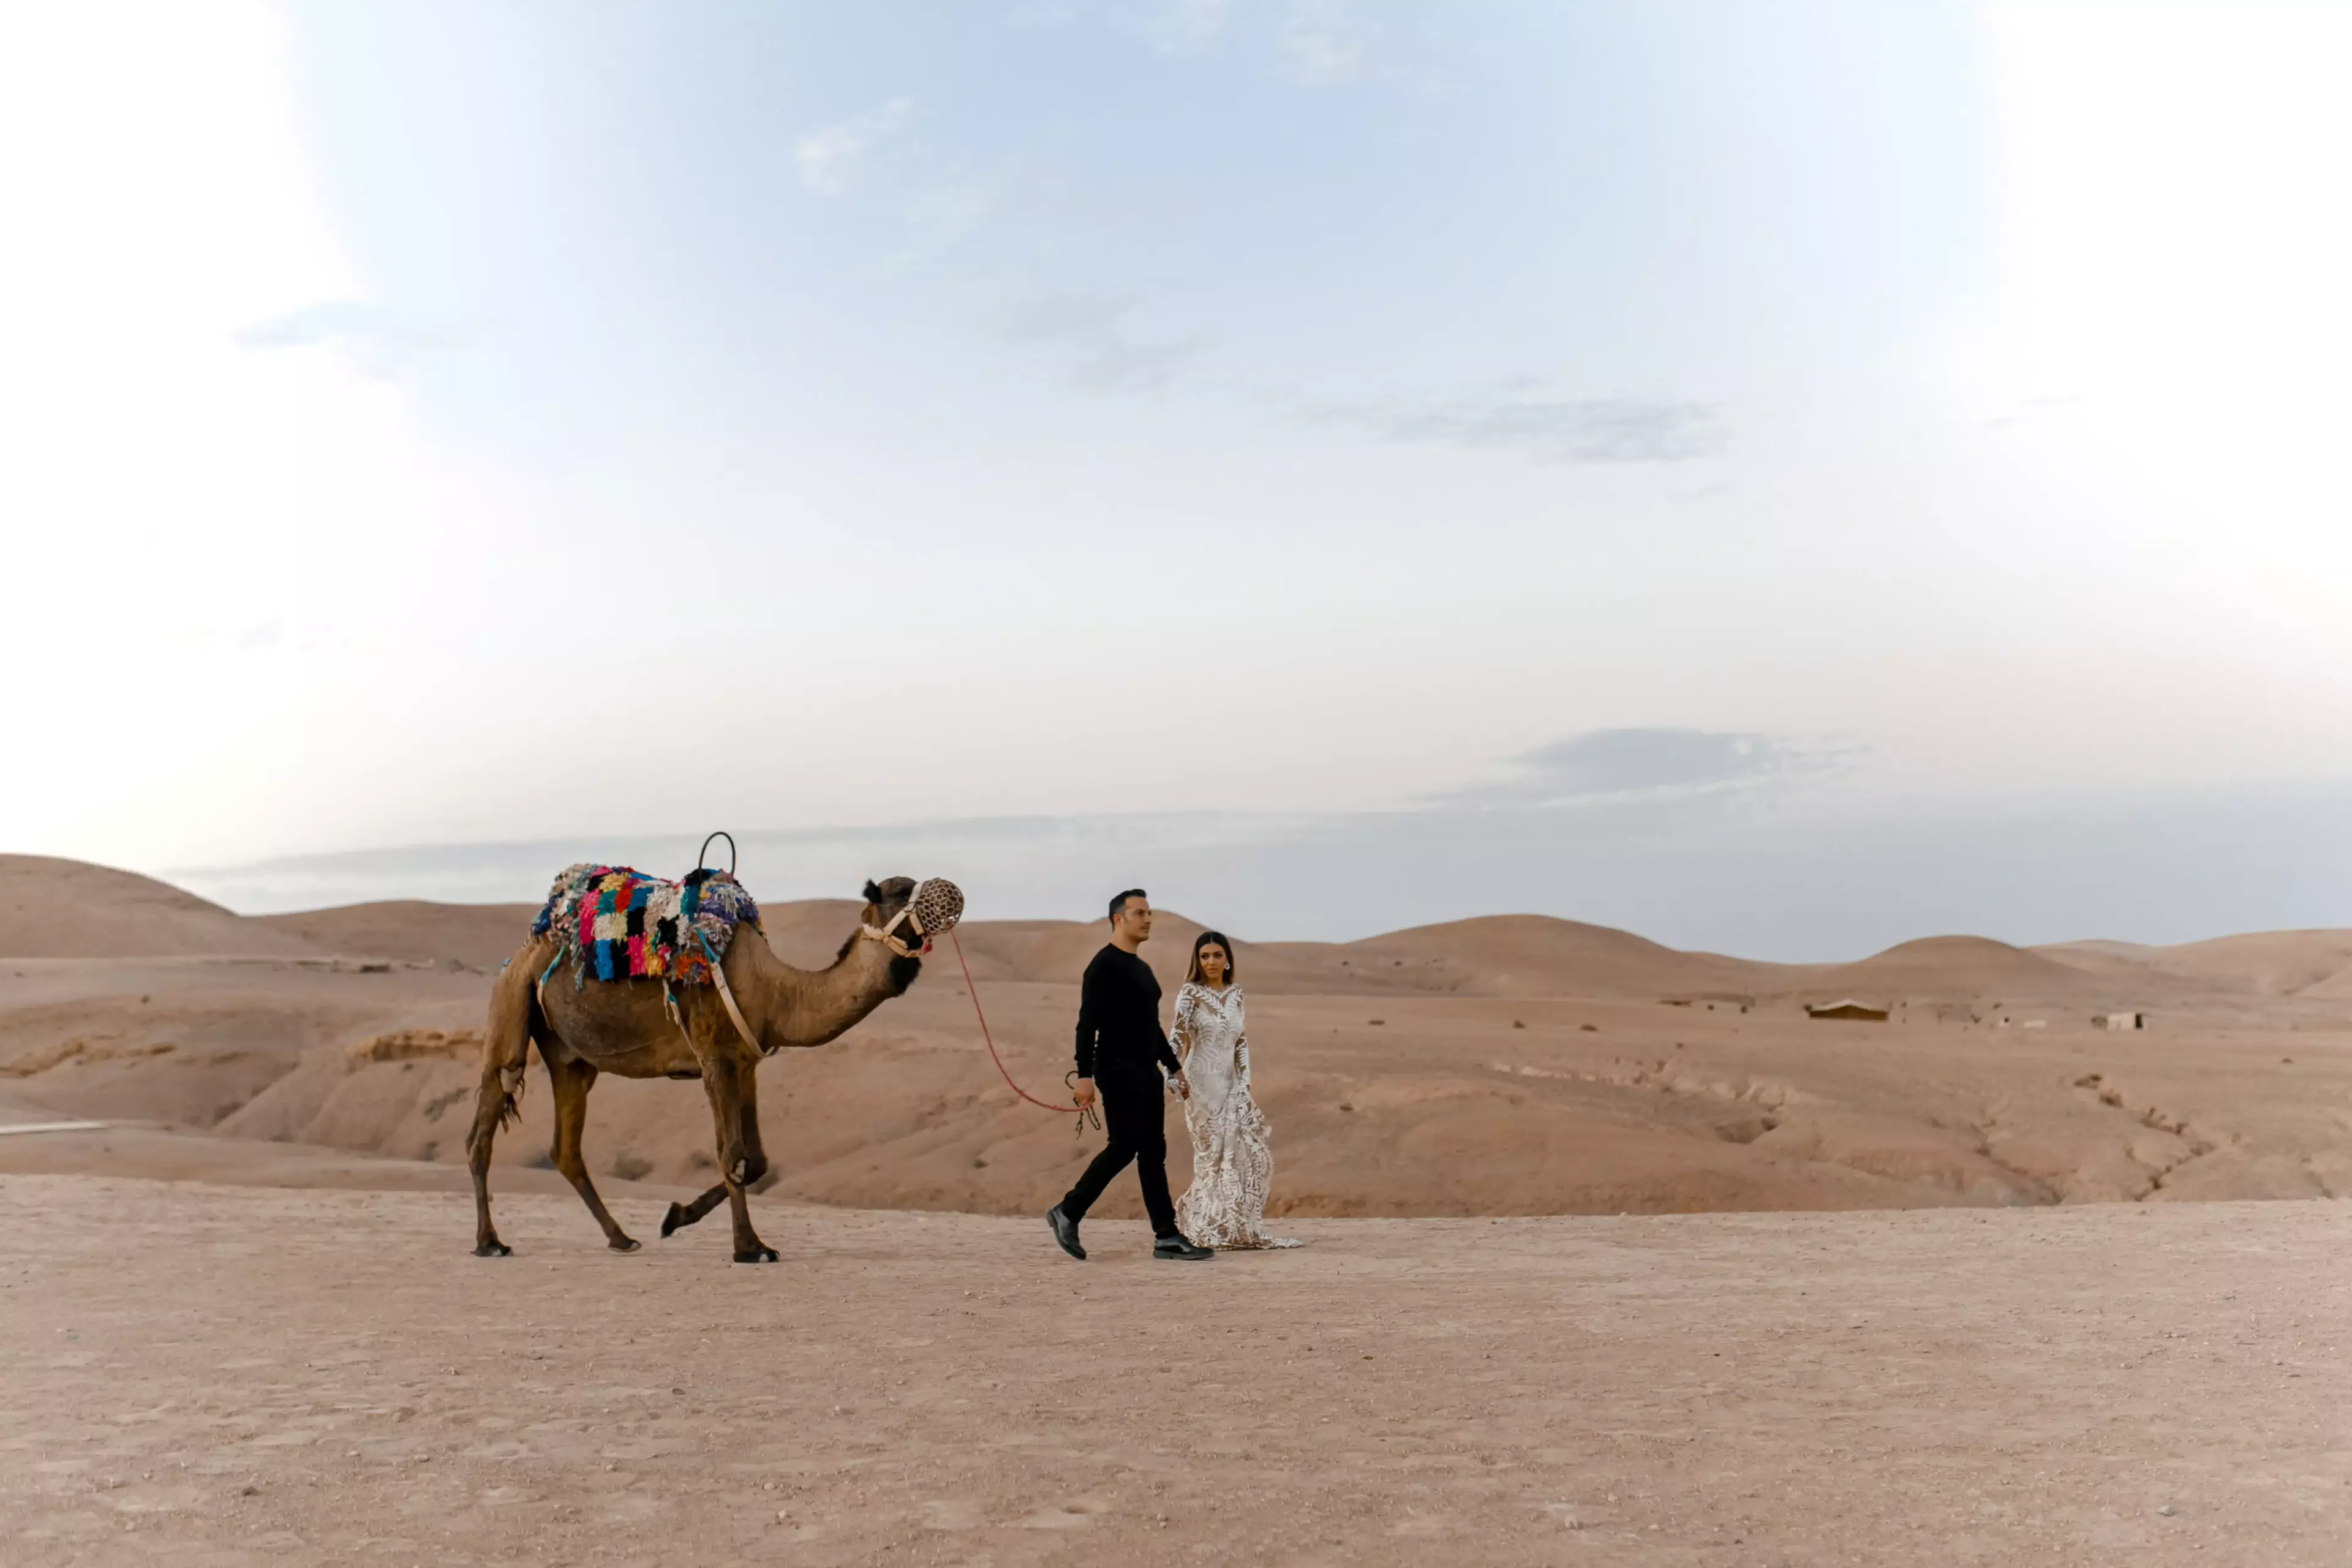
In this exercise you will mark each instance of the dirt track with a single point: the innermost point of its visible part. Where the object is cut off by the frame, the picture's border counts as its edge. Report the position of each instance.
(207, 1375)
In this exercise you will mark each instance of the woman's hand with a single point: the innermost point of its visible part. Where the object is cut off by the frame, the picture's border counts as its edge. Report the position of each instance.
(1183, 1085)
(1083, 1091)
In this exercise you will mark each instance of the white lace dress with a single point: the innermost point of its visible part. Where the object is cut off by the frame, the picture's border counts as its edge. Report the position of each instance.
(1225, 1205)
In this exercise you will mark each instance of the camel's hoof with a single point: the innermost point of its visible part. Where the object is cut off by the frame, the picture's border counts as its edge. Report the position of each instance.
(494, 1250)
(676, 1217)
(757, 1255)
(621, 1243)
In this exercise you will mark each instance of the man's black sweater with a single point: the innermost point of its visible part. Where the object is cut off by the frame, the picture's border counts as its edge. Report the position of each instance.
(1119, 1016)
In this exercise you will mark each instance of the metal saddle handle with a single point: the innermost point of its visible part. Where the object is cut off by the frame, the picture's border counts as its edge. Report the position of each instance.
(703, 854)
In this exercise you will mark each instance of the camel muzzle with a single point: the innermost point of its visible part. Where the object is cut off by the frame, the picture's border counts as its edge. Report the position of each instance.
(935, 909)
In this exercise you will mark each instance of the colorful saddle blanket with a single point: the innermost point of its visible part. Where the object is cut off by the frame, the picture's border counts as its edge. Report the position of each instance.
(620, 924)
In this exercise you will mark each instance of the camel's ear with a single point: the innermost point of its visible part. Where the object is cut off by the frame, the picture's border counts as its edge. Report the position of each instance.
(873, 893)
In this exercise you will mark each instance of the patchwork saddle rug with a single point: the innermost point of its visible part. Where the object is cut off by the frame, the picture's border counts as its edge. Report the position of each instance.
(620, 924)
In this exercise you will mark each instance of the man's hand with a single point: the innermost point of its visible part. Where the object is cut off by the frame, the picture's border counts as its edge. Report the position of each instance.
(1083, 1091)
(1183, 1085)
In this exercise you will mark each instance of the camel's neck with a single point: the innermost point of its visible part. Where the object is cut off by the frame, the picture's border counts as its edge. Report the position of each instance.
(788, 1006)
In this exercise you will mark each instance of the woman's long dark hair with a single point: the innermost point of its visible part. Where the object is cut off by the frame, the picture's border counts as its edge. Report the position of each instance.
(1192, 976)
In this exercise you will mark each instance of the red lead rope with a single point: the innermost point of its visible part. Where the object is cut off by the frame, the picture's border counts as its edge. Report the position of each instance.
(973, 991)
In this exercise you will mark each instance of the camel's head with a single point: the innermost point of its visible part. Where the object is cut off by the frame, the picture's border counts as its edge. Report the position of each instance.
(904, 915)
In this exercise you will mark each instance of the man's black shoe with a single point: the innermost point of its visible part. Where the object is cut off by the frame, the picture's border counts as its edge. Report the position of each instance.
(1065, 1231)
(1178, 1247)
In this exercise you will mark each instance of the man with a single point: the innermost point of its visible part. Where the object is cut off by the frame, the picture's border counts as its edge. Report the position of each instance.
(1122, 1051)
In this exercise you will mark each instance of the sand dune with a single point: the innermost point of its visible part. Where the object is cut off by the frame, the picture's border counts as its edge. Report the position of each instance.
(2270, 963)
(1526, 955)
(66, 909)
(1501, 956)
(2336, 988)
(480, 936)
(112, 914)
(70, 908)
(1966, 968)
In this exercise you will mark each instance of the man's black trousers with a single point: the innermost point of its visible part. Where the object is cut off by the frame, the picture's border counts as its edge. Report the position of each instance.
(1134, 1102)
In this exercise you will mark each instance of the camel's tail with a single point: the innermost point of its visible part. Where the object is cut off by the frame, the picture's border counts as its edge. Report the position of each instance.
(514, 1019)
(511, 1100)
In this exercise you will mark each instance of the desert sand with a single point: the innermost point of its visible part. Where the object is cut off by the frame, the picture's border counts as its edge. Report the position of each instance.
(200, 1375)
(241, 1323)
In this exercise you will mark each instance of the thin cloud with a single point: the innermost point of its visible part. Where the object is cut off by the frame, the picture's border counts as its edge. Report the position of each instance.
(1319, 42)
(1086, 333)
(1804, 885)
(1326, 41)
(378, 341)
(1166, 27)
(1651, 765)
(1512, 417)
(944, 213)
(1049, 13)
(827, 156)
(1184, 27)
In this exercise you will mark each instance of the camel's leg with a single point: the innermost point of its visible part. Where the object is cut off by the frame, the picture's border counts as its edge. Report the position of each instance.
(680, 1215)
(755, 1153)
(756, 1159)
(490, 1102)
(571, 1080)
(728, 1082)
(506, 1046)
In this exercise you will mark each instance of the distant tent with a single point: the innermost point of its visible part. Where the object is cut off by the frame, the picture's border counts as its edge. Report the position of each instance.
(1849, 1008)
(2119, 1021)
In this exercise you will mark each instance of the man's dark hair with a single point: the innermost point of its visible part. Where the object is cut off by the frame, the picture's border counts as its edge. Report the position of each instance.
(1119, 902)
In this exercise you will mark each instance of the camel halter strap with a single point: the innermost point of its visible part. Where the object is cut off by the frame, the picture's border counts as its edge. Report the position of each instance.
(889, 936)
(539, 984)
(726, 998)
(934, 907)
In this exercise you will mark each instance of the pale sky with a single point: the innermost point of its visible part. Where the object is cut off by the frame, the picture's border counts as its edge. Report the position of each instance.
(1403, 438)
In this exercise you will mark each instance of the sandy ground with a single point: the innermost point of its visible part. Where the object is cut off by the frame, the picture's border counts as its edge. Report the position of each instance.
(210, 1376)
(1507, 1066)
(1412, 1105)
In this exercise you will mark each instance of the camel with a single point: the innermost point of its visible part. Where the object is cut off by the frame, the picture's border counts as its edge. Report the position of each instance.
(626, 1027)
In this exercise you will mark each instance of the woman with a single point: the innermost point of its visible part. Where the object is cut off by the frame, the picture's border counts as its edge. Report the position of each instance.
(1231, 1164)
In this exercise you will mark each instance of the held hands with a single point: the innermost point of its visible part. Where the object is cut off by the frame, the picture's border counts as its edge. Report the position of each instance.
(1083, 1089)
